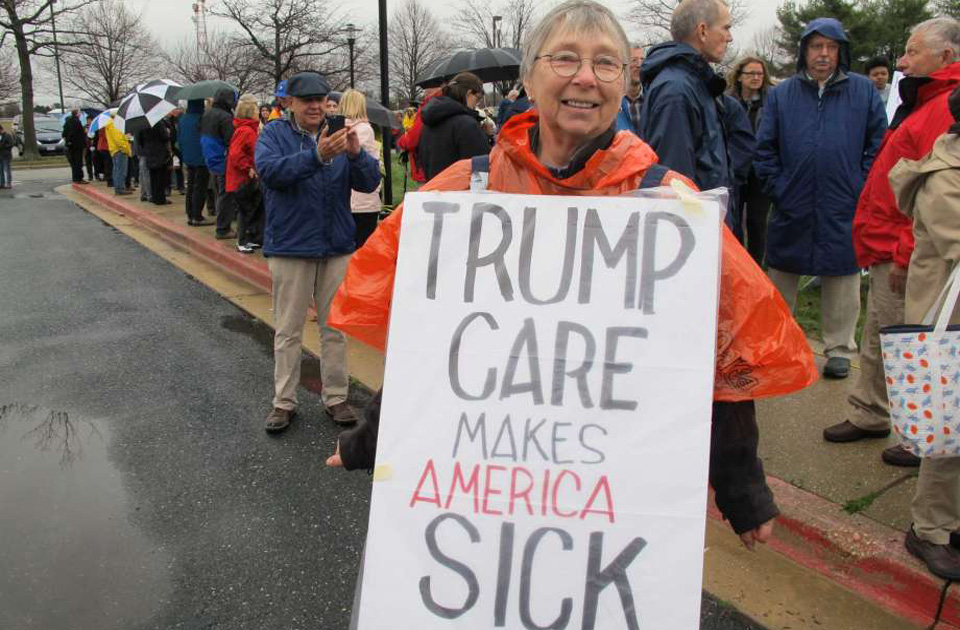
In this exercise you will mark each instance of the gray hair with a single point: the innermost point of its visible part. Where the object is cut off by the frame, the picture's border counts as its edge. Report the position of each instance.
(691, 13)
(942, 33)
(581, 17)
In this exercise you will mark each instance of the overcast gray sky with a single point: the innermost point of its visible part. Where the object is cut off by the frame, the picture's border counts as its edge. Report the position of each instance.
(171, 21)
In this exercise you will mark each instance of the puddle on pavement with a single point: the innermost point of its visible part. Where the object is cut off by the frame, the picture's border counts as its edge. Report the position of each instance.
(38, 195)
(248, 326)
(70, 557)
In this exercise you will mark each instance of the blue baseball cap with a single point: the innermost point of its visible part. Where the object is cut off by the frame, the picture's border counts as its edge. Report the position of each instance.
(281, 89)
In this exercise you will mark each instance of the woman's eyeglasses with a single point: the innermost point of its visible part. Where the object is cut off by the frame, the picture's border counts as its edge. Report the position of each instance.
(606, 68)
(751, 74)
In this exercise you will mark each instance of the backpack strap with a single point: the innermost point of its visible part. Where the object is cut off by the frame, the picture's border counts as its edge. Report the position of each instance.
(479, 173)
(654, 176)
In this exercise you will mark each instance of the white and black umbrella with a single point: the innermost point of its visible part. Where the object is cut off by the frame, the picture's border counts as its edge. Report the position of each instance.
(489, 64)
(146, 105)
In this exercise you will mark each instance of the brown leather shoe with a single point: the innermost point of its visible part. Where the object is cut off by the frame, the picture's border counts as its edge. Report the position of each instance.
(279, 419)
(899, 456)
(342, 414)
(847, 431)
(942, 560)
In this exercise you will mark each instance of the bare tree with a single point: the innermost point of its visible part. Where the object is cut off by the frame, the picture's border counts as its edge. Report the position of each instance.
(947, 7)
(416, 42)
(221, 56)
(8, 76)
(288, 35)
(652, 17)
(114, 52)
(766, 45)
(475, 22)
(30, 24)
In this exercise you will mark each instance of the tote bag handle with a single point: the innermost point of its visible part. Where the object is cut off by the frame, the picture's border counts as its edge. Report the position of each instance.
(951, 291)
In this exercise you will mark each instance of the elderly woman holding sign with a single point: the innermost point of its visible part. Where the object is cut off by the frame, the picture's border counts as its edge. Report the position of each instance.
(574, 73)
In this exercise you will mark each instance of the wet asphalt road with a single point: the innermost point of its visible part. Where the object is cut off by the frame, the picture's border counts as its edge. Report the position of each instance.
(138, 489)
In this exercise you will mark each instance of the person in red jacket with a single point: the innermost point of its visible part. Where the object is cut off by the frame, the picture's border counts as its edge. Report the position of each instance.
(241, 178)
(409, 141)
(882, 235)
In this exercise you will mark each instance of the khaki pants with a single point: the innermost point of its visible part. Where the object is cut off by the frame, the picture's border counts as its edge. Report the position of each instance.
(295, 282)
(869, 397)
(936, 506)
(839, 308)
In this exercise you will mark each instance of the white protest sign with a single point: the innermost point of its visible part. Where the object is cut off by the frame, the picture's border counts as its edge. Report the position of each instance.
(544, 435)
(893, 101)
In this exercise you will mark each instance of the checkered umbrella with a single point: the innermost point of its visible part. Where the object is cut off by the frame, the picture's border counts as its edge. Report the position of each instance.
(146, 105)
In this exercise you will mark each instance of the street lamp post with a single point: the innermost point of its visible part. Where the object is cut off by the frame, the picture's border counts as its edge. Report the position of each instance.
(495, 37)
(56, 53)
(351, 40)
(385, 99)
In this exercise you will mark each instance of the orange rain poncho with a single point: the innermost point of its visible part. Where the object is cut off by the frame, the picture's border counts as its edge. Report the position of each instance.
(761, 351)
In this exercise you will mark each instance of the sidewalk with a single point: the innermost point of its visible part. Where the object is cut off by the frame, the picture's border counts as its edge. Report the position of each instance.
(861, 551)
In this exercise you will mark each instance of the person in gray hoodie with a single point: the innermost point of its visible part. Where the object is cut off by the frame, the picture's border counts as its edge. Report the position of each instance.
(216, 129)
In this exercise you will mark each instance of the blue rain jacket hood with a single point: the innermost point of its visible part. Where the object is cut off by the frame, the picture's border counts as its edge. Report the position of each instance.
(828, 27)
(188, 134)
(813, 156)
(681, 116)
(307, 202)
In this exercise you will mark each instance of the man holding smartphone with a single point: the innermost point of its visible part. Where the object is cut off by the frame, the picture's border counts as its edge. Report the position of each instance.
(307, 171)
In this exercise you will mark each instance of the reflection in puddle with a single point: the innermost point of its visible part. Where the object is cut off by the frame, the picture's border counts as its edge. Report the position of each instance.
(70, 556)
(55, 432)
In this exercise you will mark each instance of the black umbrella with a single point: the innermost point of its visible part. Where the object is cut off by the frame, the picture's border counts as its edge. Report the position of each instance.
(490, 64)
(377, 114)
(204, 89)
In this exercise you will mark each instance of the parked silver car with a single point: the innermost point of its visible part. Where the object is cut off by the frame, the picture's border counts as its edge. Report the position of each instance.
(49, 134)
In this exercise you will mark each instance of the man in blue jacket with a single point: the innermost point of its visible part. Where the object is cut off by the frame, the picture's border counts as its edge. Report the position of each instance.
(307, 175)
(216, 130)
(198, 177)
(681, 116)
(820, 132)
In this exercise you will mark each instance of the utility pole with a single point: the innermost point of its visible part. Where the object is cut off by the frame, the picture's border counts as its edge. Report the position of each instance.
(495, 35)
(385, 99)
(200, 23)
(56, 55)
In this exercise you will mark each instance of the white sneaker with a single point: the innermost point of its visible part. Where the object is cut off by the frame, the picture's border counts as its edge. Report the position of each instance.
(244, 249)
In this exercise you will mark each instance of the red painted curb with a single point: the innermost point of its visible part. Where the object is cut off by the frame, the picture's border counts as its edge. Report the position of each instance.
(859, 554)
(241, 266)
(853, 551)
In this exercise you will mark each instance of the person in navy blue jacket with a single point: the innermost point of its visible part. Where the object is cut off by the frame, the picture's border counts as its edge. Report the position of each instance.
(681, 117)
(198, 177)
(820, 132)
(307, 175)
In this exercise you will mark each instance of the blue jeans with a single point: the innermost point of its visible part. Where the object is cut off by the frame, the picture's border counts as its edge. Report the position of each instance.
(119, 171)
(6, 177)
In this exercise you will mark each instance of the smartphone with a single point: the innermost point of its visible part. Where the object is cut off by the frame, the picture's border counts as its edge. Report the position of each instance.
(335, 123)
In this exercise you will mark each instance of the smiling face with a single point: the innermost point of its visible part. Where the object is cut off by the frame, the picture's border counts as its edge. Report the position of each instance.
(823, 56)
(308, 111)
(577, 108)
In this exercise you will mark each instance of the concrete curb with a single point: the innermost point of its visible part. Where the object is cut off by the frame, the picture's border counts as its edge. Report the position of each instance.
(855, 552)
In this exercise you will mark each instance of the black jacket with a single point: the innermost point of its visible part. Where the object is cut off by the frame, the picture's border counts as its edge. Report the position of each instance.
(154, 146)
(451, 132)
(73, 133)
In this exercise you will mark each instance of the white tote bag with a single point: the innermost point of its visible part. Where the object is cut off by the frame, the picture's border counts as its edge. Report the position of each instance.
(922, 369)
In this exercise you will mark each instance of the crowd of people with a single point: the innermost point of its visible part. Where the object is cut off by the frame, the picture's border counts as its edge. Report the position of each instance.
(820, 184)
